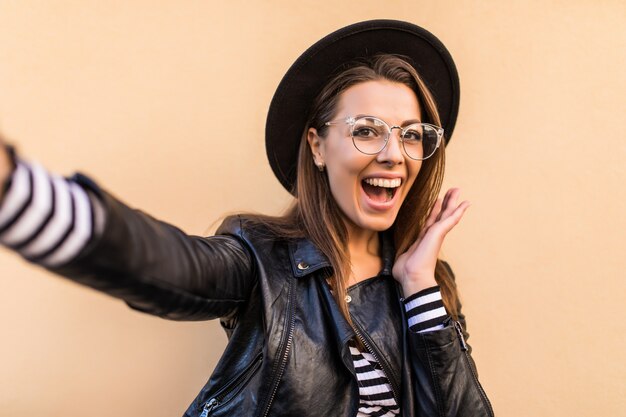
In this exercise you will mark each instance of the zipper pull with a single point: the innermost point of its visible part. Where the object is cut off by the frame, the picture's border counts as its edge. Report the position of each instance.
(210, 405)
(459, 331)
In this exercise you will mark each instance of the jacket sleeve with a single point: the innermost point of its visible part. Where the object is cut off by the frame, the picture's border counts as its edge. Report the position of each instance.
(446, 381)
(158, 269)
(153, 266)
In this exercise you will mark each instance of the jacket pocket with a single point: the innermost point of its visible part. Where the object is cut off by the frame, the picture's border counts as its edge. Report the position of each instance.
(233, 387)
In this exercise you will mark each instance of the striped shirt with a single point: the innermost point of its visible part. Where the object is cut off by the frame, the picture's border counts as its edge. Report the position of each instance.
(425, 312)
(49, 220)
(46, 218)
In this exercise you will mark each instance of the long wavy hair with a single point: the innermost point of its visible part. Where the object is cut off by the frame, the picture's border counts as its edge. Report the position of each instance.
(315, 214)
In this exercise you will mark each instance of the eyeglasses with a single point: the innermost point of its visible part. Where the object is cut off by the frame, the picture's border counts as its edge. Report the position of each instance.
(370, 135)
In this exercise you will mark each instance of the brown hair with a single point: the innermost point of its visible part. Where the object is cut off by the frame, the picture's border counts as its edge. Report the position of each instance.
(315, 214)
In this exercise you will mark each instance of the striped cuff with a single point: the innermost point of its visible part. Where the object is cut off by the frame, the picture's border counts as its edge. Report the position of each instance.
(46, 218)
(425, 310)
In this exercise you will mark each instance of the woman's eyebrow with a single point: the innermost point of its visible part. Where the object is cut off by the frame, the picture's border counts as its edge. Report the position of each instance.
(404, 123)
(410, 122)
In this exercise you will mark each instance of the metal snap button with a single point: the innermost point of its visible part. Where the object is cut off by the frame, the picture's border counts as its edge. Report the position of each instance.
(348, 298)
(303, 265)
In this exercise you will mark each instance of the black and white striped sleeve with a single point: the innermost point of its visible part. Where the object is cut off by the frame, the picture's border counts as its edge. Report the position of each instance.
(425, 310)
(46, 218)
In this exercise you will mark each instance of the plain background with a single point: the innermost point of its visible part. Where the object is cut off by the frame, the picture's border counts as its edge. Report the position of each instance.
(164, 103)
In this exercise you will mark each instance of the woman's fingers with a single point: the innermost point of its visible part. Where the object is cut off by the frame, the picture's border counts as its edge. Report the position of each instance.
(441, 210)
(419, 261)
(450, 220)
(449, 213)
(434, 212)
(424, 255)
(432, 217)
(444, 205)
(444, 215)
(6, 165)
(449, 203)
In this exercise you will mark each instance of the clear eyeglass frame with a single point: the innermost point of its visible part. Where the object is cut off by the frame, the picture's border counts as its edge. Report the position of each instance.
(353, 121)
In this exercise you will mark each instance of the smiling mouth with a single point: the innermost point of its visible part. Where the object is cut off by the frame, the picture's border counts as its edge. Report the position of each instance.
(381, 190)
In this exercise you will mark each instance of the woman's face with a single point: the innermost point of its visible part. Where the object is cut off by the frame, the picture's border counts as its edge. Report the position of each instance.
(369, 189)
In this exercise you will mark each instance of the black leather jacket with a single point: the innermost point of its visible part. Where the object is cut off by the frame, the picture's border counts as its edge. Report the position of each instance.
(288, 352)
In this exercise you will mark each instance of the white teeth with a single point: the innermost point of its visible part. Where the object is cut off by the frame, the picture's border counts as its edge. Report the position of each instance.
(383, 182)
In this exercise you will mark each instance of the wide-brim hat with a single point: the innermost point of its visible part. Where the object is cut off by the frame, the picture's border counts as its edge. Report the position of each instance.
(288, 112)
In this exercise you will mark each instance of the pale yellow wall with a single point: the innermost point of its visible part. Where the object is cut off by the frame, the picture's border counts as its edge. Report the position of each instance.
(164, 103)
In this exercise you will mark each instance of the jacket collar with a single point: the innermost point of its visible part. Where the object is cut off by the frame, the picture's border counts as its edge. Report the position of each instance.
(306, 258)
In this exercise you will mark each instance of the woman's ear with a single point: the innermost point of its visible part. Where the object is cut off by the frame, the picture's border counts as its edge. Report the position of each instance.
(317, 146)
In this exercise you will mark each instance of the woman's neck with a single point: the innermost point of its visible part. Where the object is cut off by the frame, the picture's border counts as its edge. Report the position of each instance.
(364, 248)
(361, 242)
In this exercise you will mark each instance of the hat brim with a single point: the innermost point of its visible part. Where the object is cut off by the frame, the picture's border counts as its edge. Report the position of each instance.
(312, 70)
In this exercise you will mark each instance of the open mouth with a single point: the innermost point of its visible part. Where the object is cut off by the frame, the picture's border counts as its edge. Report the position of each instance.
(381, 190)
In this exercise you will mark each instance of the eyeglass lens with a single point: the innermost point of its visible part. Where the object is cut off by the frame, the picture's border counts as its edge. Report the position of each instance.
(370, 136)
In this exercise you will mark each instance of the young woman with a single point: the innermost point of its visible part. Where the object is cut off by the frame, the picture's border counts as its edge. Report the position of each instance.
(340, 307)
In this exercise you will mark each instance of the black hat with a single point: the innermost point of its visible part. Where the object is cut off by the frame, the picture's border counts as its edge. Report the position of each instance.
(312, 70)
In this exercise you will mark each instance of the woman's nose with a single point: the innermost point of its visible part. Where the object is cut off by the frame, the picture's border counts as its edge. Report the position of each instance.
(392, 152)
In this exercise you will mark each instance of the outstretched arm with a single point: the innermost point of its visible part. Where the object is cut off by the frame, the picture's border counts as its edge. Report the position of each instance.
(75, 229)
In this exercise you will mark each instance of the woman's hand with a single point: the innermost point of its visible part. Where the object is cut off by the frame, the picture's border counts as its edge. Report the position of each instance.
(415, 269)
(5, 166)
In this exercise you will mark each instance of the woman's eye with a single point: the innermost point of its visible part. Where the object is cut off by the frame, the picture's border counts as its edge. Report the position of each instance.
(412, 136)
(364, 132)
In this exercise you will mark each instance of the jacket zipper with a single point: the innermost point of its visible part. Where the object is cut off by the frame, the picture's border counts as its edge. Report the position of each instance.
(218, 398)
(210, 405)
(286, 347)
(386, 368)
(486, 402)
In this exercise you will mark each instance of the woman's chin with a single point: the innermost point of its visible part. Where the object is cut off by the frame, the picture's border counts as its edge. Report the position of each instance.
(375, 222)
